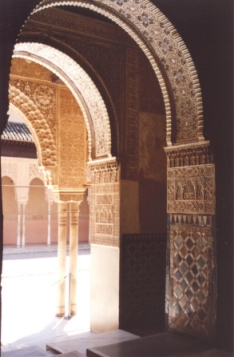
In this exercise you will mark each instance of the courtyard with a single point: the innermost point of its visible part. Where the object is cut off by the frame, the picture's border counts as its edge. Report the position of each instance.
(29, 283)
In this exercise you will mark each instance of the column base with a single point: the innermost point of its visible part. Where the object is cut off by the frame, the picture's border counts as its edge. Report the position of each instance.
(60, 312)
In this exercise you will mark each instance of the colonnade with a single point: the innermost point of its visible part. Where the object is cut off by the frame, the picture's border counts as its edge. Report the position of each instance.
(68, 214)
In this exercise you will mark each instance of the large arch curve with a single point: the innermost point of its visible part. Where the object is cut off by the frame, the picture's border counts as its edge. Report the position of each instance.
(83, 89)
(168, 55)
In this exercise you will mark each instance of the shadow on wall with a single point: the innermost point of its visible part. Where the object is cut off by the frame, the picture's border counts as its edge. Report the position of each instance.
(152, 205)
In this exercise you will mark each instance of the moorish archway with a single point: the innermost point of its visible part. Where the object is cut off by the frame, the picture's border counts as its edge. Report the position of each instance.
(168, 55)
(191, 185)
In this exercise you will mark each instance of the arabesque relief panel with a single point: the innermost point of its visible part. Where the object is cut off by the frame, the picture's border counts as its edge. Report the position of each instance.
(35, 82)
(190, 180)
(104, 207)
(72, 142)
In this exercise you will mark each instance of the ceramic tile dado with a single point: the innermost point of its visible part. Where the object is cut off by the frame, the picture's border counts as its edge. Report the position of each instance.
(191, 288)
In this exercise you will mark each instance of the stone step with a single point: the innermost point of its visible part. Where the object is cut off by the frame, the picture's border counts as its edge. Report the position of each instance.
(81, 342)
(72, 354)
(160, 345)
(31, 351)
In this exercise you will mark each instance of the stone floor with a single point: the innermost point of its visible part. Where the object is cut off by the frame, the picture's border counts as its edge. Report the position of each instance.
(161, 345)
(90, 340)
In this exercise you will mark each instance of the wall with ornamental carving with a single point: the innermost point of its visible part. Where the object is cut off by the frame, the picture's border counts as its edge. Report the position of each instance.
(104, 204)
(191, 290)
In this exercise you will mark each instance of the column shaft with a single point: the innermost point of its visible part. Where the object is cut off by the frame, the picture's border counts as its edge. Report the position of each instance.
(62, 238)
(49, 225)
(74, 210)
(23, 225)
(19, 226)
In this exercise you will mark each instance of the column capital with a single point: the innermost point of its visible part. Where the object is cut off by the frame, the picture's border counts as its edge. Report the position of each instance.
(68, 196)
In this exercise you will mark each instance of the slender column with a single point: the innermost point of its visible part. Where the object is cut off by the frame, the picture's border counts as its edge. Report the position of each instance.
(49, 224)
(19, 225)
(23, 225)
(62, 235)
(74, 211)
(89, 204)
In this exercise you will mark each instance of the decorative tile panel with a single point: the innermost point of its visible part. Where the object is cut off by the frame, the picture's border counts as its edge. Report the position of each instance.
(191, 291)
(143, 272)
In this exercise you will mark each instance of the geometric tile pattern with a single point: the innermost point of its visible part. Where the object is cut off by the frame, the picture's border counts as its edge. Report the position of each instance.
(142, 282)
(191, 300)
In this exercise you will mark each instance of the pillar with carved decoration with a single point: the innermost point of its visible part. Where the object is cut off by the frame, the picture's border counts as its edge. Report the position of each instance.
(191, 290)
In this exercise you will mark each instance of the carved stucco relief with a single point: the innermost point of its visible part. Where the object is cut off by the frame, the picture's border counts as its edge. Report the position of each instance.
(43, 95)
(190, 180)
(104, 205)
(71, 142)
(191, 189)
(163, 46)
(35, 172)
(9, 169)
(80, 84)
(29, 69)
(46, 146)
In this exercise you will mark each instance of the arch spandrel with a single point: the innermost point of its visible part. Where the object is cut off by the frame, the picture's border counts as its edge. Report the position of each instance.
(168, 55)
(46, 148)
(83, 89)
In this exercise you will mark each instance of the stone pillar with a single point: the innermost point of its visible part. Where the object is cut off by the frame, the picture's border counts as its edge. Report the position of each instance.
(105, 256)
(191, 287)
(62, 239)
(73, 252)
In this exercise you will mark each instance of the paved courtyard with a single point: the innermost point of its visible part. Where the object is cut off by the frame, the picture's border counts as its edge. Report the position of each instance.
(29, 294)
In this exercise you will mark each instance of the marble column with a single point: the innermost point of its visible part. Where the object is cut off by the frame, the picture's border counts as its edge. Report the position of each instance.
(23, 225)
(74, 212)
(49, 225)
(19, 226)
(62, 238)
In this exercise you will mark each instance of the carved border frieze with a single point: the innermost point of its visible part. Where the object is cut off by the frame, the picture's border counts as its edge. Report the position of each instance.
(189, 155)
(191, 189)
